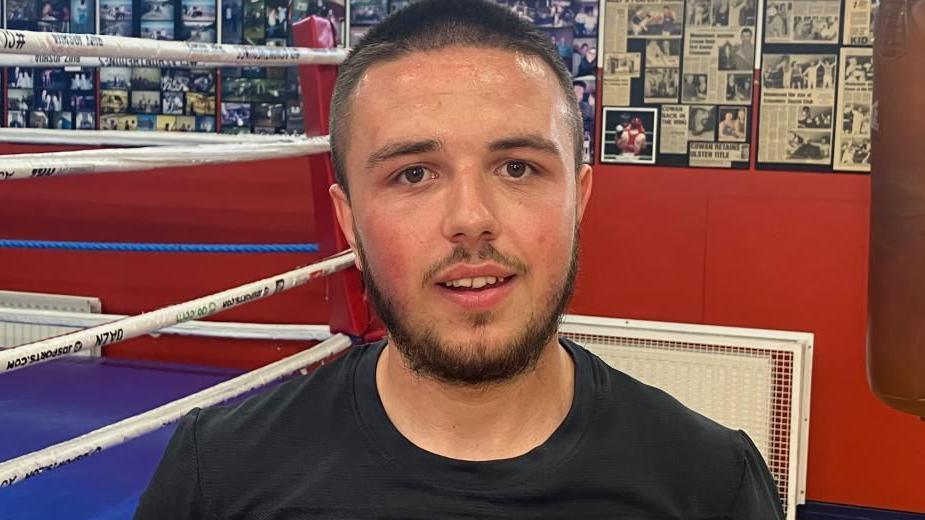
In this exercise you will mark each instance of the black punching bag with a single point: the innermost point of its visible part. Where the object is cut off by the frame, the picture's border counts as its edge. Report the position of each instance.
(896, 325)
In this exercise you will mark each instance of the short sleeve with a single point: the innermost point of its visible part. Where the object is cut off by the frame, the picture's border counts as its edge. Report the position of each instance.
(757, 497)
(174, 492)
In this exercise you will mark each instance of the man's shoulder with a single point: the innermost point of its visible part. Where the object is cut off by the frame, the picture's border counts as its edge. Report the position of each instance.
(661, 429)
(302, 398)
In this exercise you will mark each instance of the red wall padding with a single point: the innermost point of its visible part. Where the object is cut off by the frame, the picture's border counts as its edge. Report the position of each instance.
(749, 249)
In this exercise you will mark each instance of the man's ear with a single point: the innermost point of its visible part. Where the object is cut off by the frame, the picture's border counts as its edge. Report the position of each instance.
(345, 218)
(584, 189)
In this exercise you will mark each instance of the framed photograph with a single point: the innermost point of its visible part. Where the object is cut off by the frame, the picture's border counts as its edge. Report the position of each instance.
(586, 18)
(52, 79)
(166, 123)
(629, 135)
(19, 99)
(146, 78)
(82, 79)
(200, 104)
(185, 124)
(255, 21)
(202, 32)
(115, 78)
(20, 77)
(205, 124)
(157, 30)
(270, 114)
(198, 10)
(146, 101)
(83, 13)
(62, 120)
(202, 81)
(172, 103)
(80, 102)
(368, 12)
(38, 119)
(175, 80)
(54, 16)
(86, 120)
(236, 114)
(147, 122)
(277, 19)
(157, 10)
(232, 17)
(16, 119)
(21, 14)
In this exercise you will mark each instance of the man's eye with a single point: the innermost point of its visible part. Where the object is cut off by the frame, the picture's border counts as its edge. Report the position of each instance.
(516, 169)
(413, 175)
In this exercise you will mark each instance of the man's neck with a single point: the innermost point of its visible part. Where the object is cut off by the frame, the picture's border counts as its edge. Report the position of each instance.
(493, 422)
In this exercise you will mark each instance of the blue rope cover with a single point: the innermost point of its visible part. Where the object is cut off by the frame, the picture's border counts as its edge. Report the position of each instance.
(161, 248)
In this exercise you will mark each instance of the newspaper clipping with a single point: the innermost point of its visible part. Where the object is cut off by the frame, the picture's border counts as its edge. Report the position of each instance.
(629, 135)
(619, 68)
(797, 104)
(718, 155)
(674, 129)
(859, 22)
(719, 51)
(658, 20)
(852, 131)
(662, 60)
(802, 21)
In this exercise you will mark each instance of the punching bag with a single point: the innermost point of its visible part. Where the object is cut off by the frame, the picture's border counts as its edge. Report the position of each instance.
(896, 316)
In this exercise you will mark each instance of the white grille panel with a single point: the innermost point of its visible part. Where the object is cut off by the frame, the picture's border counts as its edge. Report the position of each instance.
(14, 334)
(754, 380)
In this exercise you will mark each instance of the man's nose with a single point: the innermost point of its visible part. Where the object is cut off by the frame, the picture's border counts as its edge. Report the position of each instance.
(470, 216)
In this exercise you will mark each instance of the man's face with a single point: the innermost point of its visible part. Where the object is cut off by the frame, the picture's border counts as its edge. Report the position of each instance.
(461, 172)
(746, 38)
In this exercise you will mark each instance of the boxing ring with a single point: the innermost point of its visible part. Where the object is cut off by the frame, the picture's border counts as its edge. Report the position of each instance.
(82, 435)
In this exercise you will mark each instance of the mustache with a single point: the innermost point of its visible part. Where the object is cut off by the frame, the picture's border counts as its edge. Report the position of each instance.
(462, 254)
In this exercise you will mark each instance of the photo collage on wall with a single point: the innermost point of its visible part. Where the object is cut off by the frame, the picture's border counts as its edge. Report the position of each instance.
(162, 99)
(38, 97)
(267, 100)
(572, 27)
(817, 84)
(677, 82)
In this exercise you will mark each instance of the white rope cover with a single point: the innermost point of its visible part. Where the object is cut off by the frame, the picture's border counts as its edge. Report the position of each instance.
(131, 137)
(32, 165)
(120, 330)
(121, 47)
(52, 61)
(32, 464)
(212, 329)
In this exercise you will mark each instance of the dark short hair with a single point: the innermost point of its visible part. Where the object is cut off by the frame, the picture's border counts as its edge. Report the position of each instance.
(432, 25)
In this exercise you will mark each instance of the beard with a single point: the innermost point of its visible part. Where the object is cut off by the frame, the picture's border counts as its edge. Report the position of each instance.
(473, 362)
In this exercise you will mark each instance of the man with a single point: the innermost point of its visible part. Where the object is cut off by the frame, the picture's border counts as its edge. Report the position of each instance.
(744, 56)
(456, 141)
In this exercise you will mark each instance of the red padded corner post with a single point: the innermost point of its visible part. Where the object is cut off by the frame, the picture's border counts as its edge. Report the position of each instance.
(349, 312)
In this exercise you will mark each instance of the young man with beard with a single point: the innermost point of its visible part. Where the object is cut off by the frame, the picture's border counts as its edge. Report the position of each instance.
(456, 141)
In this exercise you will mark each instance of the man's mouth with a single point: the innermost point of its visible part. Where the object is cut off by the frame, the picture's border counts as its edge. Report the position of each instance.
(479, 293)
(476, 283)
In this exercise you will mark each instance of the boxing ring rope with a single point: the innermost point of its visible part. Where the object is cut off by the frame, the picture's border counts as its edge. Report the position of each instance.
(120, 330)
(132, 137)
(52, 61)
(52, 457)
(211, 329)
(27, 166)
(102, 46)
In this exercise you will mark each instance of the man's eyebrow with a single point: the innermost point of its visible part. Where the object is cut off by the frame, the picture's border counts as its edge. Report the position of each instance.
(399, 148)
(531, 141)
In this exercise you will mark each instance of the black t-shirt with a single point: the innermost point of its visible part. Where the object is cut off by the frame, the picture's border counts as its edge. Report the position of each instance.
(322, 446)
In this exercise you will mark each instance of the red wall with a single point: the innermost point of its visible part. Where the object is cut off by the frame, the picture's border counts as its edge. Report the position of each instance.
(748, 249)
